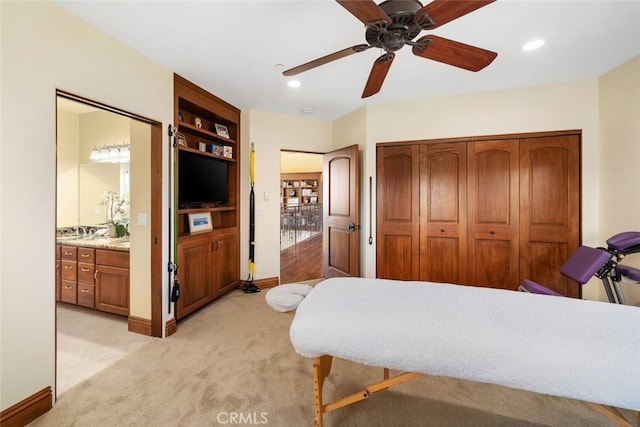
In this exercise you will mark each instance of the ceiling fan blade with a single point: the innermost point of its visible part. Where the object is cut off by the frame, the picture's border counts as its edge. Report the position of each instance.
(365, 10)
(325, 59)
(443, 11)
(378, 74)
(453, 53)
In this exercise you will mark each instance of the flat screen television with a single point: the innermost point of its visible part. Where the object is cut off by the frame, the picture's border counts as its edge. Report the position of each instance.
(202, 181)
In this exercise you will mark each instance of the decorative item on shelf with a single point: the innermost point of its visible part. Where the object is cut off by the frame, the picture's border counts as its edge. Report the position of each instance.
(228, 152)
(181, 139)
(119, 153)
(117, 210)
(313, 199)
(202, 146)
(292, 193)
(199, 222)
(306, 191)
(180, 116)
(198, 122)
(222, 130)
(215, 149)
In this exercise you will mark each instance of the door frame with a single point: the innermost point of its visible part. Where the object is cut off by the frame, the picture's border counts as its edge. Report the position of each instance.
(155, 328)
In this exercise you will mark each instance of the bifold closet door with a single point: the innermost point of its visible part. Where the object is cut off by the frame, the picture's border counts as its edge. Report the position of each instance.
(443, 212)
(493, 213)
(397, 212)
(549, 209)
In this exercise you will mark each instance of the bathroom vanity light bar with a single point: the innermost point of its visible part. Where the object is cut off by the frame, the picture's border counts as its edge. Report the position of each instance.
(111, 153)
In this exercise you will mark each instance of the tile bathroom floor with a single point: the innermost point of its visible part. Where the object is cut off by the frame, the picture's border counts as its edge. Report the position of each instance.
(89, 341)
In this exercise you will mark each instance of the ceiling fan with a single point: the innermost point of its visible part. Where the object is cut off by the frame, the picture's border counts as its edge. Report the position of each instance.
(394, 23)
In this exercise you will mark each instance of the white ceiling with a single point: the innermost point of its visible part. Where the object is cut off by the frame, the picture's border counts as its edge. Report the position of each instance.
(231, 48)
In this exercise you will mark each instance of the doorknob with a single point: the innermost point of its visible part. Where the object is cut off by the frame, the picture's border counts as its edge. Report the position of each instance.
(352, 227)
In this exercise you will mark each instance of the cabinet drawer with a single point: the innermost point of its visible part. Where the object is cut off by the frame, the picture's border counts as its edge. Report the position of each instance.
(69, 253)
(69, 270)
(87, 255)
(86, 295)
(68, 292)
(86, 272)
(113, 258)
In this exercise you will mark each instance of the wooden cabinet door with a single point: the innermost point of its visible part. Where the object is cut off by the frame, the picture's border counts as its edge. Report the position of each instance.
(443, 212)
(194, 274)
(226, 262)
(549, 209)
(397, 212)
(112, 289)
(493, 213)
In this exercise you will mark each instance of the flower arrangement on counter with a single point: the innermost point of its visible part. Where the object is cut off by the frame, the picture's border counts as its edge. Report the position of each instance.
(117, 208)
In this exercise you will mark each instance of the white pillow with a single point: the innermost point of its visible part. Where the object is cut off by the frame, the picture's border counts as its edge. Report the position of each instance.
(285, 298)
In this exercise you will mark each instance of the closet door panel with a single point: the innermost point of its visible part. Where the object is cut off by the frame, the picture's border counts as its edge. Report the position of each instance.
(549, 209)
(397, 212)
(443, 207)
(493, 209)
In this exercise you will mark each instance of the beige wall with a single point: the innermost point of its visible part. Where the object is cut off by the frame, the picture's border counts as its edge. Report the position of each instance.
(68, 129)
(140, 248)
(619, 156)
(45, 48)
(271, 133)
(297, 162)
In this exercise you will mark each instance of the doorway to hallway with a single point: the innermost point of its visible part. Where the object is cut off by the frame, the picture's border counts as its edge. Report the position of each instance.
(300, 216)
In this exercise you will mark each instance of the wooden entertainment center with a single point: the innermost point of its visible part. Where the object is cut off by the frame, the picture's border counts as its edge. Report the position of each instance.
(208, 128)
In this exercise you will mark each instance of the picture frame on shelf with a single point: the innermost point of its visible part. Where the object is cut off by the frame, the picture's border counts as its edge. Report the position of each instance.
(181, 140)
(180, 116)
(200, 222)
(202, 146)
(227, 152)
(313, 199)
(222, 130)
(215, 149)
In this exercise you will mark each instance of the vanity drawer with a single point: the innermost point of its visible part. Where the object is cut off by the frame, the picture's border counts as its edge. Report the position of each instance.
(87, 255)
(86, 272)
(69, 253)
(68, 292)
(86, 295)
(113, 258)
(69, 270)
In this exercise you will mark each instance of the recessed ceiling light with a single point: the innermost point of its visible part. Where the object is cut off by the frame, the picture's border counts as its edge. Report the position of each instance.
(307, 110)
(279, 67)
(533, 44)
(293, 83)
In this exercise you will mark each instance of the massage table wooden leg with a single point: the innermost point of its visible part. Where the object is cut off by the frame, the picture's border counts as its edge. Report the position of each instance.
(321, 370)
(612, 414)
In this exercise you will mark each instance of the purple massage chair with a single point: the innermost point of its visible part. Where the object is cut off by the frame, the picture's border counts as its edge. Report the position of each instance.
(601, 262)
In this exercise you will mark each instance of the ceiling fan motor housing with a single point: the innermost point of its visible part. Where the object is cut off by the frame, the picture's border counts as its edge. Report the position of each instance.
(403, 27)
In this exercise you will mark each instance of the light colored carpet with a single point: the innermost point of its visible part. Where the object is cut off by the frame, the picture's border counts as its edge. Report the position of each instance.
(233, 361)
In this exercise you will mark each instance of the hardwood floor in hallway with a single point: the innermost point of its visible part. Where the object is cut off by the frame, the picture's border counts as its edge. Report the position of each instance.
(302, 261)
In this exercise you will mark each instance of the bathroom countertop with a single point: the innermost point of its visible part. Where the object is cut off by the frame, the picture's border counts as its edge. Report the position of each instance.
(116, 244)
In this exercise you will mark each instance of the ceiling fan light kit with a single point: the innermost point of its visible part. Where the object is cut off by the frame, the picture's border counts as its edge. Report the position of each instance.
(395, 23)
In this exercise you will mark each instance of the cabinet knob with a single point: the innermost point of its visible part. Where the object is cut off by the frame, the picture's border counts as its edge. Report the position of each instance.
(442, 230)
(84, 255)
(492, 232)
(68, 267)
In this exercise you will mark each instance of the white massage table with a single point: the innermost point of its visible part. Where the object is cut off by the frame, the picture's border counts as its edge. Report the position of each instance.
(558, 346)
